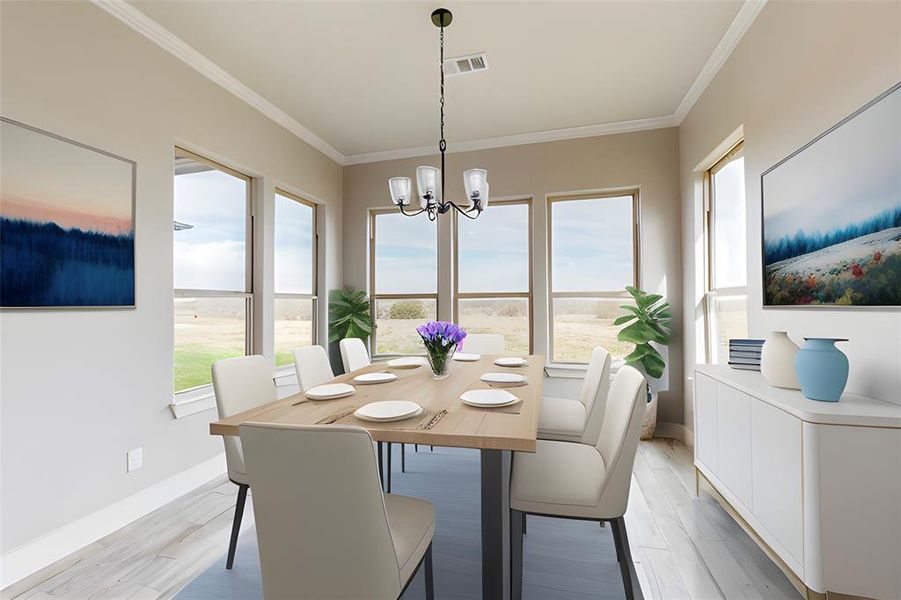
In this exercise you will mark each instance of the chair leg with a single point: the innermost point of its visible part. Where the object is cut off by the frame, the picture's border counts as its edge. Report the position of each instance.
(619, 553)
(524, 524)
(517, 521)
(403, 458)
(624, 554)
(388, 470)
(415, 447)
(429, 578)
(236, 524)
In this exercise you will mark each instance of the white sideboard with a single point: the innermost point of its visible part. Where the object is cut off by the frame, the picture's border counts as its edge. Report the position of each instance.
(818, 483)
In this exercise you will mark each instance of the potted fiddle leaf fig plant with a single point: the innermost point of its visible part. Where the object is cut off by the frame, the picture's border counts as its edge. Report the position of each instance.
(348, 317)
(648, 326)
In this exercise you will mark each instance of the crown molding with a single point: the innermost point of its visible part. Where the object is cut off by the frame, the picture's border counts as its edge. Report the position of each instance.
(549, 135)
(743, 20)
(144, 25)
(165, 39)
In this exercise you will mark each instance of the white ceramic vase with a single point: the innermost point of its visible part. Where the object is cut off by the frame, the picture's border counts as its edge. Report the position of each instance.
(777, 361)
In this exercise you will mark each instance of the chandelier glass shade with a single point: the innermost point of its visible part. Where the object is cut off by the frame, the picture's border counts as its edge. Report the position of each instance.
(430, 180)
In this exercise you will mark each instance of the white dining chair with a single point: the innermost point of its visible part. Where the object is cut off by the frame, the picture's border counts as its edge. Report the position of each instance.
(312, 366)
(324, 527)
(578, 420)
(239, 384)
(354, 354)
(484, 343)
(583, 481)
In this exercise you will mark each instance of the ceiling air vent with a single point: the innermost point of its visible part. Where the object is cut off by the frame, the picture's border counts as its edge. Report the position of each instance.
(470, 63)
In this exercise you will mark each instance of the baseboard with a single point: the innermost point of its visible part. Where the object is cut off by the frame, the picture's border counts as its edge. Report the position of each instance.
(49, 548)
(676, 431)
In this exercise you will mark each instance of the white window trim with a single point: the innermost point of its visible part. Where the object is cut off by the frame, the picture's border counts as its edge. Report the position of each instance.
(712, 293)
(614, 294)
(201, 398)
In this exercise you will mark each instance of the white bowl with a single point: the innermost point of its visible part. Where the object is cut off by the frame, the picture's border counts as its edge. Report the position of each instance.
(369, 378)
(388, 410)
(511, 361)
(329, 391)
(488, 398)
(407, 362)
(503, 378)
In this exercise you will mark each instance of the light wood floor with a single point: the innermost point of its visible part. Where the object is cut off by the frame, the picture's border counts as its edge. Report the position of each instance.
(684, 547)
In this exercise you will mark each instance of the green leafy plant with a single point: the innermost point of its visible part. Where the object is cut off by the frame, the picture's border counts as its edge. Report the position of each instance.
(650, 322)
(349, 315)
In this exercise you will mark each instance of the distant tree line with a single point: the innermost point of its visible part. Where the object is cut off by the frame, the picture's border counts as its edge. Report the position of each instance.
(42, 264)
(803, 243)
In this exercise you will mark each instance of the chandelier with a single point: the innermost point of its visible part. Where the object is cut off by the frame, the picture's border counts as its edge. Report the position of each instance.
(430, 180)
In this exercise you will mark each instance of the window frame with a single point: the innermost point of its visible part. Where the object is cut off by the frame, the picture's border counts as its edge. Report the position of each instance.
(374, 296)
(596, 294)
(457, 295)
(314, 295)
(247, 294)
(712, 293)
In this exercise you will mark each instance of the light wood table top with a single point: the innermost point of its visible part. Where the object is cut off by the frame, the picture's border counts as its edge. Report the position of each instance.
(464, 426)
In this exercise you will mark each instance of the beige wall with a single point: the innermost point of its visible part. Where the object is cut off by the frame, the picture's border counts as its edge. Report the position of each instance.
(79, 388)
(801, 67)
(646, 160)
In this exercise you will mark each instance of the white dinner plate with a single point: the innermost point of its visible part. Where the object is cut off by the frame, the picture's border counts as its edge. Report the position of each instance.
(503, 378)
(388, 410)
(489, 398)
(466, 357)
(511, 361)
(407, 362)
(375, 378)
(329, 391)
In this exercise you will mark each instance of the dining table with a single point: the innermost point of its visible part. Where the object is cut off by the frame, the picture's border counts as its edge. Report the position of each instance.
(445, 421)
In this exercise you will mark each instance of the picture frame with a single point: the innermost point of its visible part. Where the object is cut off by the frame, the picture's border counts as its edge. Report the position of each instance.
(831, 215)
(67, 223)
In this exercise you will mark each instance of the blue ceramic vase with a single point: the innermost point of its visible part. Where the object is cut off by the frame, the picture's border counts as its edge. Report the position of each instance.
(822, 369)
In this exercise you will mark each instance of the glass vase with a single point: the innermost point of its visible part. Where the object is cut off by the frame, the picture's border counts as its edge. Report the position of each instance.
(439, 360)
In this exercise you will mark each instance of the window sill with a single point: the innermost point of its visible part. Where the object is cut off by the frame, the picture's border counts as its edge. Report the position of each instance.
(191, 402)
(576, 371)
(285, 376)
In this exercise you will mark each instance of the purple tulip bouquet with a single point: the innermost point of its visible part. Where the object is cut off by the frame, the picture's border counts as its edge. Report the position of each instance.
(440, 339)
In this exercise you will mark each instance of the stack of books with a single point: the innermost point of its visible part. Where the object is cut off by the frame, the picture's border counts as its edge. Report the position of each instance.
(745, 354)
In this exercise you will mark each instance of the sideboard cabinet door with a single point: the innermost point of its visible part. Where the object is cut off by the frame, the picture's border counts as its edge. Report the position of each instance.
(705, 422)
(734, 443)
(776, 461)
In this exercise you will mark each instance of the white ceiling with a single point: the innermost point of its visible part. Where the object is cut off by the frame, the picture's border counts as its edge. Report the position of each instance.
(363, 77)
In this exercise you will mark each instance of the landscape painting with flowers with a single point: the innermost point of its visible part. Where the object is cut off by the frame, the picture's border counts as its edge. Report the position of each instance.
(832, 215)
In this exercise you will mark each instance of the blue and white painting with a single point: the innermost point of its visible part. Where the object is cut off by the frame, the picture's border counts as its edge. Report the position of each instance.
(66, 223)
(832, 215)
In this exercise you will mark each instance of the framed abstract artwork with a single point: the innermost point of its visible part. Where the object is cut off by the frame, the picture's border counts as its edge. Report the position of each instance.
(67, 225)
(831, 221)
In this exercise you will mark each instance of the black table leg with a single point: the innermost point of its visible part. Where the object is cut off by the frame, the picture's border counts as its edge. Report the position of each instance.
(495, 524)
(378, 446)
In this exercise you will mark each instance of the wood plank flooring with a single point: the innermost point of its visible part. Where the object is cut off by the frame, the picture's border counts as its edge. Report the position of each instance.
(684, 547)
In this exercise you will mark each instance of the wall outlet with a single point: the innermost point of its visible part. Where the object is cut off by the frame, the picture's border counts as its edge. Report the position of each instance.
(135, 459)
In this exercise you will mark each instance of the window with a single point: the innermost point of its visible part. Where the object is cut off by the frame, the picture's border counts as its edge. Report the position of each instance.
(493, 291)
(726, 300)
(212, 267)
(403, 274)
(295, 275)
(593, 243)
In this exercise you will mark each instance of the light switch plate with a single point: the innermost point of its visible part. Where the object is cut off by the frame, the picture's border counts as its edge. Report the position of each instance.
(135, 459)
